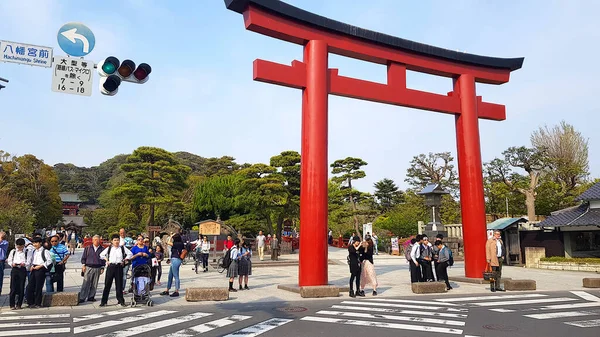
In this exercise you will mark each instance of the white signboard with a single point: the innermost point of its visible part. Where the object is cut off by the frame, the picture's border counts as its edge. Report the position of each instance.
(368, 229)
(22, 53)
(72, 75)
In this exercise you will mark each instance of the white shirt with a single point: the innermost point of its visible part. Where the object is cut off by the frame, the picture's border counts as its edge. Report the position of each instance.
(205, 247)
(36, 258)
(116, 256)
(17, 257)
(499, 248)
(234, 253)
(121, 241)
(260, 240)
(415, 253)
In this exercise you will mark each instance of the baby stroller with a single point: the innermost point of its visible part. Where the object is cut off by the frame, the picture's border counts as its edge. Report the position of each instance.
(141, 279)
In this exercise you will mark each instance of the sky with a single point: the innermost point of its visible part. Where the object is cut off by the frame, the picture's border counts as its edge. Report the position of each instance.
(201, 98)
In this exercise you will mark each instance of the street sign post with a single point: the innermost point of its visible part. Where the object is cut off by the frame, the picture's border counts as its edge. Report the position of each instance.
(76, 39)
(72, 76)
(23, 53)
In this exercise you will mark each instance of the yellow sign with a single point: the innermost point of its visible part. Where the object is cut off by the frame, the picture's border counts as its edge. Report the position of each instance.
(210, 228)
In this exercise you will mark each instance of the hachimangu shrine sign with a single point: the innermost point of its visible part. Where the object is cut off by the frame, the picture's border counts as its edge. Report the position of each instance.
(321, 36)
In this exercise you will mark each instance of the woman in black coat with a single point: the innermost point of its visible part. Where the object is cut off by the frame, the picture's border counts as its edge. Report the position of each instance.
(354, 252)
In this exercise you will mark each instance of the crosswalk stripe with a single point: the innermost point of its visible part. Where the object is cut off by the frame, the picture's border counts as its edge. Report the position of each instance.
(104, 314)
(571, 306)
(391, 317)
(382, 325)
(405, 301)
(503, 310)
(586, 296)
(145, 328)
(37, 317)
(260, 328)
(485, 298)
(562, 314)
(541, 300)
(206, 327)
(409, 306)
(106, 324)
(585, 324)
(23, 325)
(35, 332)
(399, 311)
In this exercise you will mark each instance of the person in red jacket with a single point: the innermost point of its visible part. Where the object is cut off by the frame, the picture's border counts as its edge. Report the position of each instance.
(228, 242)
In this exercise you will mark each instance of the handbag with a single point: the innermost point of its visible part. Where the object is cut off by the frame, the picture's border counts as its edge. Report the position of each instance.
(154, 262)
(488, 273)
(183, 254)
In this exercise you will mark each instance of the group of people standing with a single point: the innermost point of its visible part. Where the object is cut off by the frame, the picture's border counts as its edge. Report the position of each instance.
(240, 265)
(362, 270)
(424, 257)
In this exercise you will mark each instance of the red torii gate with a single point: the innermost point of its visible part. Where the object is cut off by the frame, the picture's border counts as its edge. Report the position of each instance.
(321, 36)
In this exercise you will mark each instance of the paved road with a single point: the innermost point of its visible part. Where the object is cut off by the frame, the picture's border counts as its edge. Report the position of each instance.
(548, 314)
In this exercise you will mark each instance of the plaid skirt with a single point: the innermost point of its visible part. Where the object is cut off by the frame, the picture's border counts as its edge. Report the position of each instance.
(245, 267)
(232, 271)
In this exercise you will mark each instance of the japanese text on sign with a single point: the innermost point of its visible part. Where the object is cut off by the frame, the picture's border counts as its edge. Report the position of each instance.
(22, 53)
(72, 76)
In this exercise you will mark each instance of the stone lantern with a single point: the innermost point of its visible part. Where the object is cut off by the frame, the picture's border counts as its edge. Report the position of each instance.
(433, 199)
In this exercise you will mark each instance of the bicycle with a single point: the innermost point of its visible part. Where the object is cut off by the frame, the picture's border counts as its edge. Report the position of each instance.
(220, 267)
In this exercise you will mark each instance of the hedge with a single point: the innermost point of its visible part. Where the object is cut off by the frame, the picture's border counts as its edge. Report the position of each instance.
(583, 260)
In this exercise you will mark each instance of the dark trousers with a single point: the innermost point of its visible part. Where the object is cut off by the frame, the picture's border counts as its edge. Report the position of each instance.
(17, 286)
(426, 270)
(204, 261)
(2, 265)
(114, 272)
(59, 277)
(355, 278)
(498, 270)
(415, 272)
(441, 269)
(36, 283)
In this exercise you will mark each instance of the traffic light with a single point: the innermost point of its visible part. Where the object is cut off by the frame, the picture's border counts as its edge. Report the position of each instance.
(113, 72)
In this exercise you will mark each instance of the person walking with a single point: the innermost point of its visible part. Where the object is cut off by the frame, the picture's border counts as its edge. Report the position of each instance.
(19, 262)
(375, 243)
(354, 252)
(159, 254)
(368, 277)
(205, 250)
(441, 267)
(3, 255)
(39, 263)
(232, 270)
(494, 254)
(115, 258)
(260, 245)
(177, 247)
(92, 268)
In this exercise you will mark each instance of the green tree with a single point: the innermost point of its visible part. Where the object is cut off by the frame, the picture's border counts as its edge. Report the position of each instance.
(217, 197)
(433, 168)
(403, 219)
(387, 194)
(287, 165)
(349, 169)
(16, 216)
(153, 177)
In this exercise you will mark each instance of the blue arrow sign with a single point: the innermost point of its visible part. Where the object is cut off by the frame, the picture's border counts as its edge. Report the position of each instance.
(76, 39)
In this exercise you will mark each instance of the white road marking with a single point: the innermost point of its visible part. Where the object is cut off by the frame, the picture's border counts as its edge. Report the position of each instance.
(586, 296)
(503, 310)
(398, 311)
(261, 327)
(382, 325)
(105, 314)
(485, 298)
(146, 327)
(23, 325)
(37, 317)
(391, 317)
(585, 324)
(35, 332)
(571, 306)
(541, 300)
(405, 301)
(206, 327)
(409, 306)
(562, 314)
(106, 324)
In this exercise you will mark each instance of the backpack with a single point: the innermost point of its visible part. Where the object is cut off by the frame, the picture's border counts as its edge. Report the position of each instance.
(227, 259)
(407, 252)
(451, 258)
(14, 251)
(122, 254)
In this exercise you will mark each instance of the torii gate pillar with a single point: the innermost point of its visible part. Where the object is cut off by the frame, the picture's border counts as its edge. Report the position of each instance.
(321, 36)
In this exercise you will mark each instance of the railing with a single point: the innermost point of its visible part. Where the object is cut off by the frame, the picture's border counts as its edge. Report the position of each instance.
(454, 230)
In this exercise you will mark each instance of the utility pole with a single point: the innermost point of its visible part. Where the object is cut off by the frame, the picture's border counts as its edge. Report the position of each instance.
(3, 80)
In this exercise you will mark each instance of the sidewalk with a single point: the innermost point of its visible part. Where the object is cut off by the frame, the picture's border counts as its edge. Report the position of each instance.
(392, 274)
